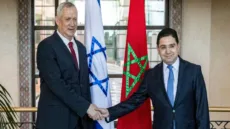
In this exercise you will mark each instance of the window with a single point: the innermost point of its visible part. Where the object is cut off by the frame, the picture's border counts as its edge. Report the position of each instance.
(115, 26)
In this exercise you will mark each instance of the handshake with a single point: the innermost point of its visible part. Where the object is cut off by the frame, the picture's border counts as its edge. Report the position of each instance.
(96, 113)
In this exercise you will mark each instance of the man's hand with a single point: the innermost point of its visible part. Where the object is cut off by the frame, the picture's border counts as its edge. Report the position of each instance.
(93, 113)
(104, 112)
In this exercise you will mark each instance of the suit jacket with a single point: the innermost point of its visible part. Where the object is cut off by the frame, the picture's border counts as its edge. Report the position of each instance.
(65, 94)
(190, 110)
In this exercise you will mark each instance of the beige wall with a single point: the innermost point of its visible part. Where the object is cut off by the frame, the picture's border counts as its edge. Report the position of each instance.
(220, 55)
(9, 48)
(205, 41)
(196, 26)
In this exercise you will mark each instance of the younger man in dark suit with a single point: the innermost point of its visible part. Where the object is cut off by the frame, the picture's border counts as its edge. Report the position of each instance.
(176, 88)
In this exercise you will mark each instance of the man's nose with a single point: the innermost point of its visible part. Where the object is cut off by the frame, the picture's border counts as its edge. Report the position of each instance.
(167, 50)
(72, 23)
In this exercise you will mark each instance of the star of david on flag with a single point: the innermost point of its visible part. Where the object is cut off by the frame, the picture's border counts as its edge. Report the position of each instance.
(96, 81)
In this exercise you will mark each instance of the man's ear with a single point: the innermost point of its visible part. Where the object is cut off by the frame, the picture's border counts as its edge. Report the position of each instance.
(178, 47)
(57, 20)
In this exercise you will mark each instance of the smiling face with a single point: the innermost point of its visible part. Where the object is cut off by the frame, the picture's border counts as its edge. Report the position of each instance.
(168, 49)
(67, 22)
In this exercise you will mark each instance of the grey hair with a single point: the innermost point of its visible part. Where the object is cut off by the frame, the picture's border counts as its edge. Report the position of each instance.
(62, 6)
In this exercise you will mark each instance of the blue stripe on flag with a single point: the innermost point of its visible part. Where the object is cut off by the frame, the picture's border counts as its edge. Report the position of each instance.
(97, 125)
(99, 2)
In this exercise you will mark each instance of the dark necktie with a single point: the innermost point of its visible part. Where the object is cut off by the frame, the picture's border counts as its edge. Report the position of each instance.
(73, 53)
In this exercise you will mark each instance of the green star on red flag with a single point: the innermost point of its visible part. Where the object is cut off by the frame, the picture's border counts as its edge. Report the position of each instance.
(135, 64)
(128, 64)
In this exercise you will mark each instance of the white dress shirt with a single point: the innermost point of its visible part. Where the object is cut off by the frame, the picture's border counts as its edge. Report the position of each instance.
(66, 41)
(175, 73)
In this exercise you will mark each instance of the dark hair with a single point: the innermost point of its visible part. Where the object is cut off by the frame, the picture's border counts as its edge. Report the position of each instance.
(167, 32)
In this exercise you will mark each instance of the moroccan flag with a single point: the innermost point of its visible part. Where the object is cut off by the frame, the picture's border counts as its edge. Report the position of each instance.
(135, 64)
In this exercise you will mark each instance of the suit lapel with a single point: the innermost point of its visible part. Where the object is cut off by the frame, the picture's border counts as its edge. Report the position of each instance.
(162, 85)
(81, 53)
(65, 49)
(180, 80)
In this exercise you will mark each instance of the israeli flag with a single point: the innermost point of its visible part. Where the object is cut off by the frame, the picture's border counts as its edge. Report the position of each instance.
(96, 52)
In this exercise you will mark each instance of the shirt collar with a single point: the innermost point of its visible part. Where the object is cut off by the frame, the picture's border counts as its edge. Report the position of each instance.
(64, 39)
(175, 65)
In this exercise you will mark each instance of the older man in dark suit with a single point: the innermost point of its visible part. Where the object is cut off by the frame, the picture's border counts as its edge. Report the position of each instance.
(65, 101)
(176, 88)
